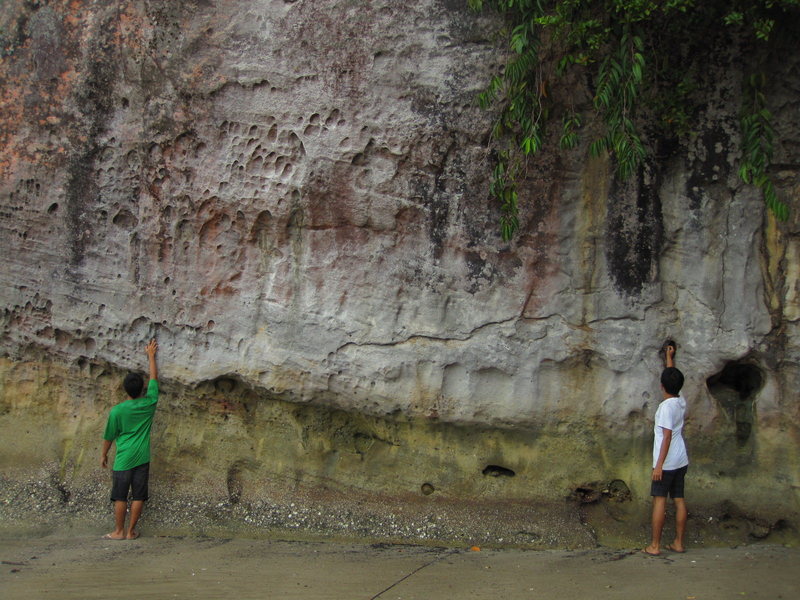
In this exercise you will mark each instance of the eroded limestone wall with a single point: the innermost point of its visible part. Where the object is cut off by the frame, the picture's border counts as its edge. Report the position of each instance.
(293, 198)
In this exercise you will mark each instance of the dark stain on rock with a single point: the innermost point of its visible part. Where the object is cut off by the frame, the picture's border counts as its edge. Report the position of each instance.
(712, 169)
(439, 207)
(47, 53)
(481, 272)
(95, 101)
(234, 483)
(9, 42)
(634, 230)
(234, 479)
(433, 189)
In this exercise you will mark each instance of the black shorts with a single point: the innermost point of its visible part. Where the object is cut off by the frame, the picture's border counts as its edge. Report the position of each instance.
(671, 483)
(133, 480)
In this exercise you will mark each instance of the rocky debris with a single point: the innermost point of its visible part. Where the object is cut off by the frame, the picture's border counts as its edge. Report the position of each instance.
(37, 504)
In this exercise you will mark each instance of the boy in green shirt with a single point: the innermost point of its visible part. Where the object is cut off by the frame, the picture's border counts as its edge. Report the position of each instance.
(128, 425)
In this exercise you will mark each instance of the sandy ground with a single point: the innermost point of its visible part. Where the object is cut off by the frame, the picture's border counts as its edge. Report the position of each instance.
(86, 566)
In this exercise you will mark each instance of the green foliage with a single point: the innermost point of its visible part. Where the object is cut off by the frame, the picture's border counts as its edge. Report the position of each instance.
(619, 84)
(569, 135)
(639, 55)
(757, 136)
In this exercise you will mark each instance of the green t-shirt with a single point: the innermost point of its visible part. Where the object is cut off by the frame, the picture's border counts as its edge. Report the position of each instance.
(129, 425)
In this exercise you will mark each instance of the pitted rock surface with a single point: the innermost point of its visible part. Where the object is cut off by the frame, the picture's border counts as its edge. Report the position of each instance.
(292, 197)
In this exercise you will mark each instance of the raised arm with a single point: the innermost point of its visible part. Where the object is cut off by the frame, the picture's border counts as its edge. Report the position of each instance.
(151, 350)
(669, 355)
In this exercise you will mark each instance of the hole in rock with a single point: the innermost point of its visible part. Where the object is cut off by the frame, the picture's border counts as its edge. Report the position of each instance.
(587, 493)
(781, 525)
(618, 490)
(124, 219)
(593, 491)
(427, 489)
(498, 471)
(52, 208)
(225, 384)
(736, 388)
(662, 351)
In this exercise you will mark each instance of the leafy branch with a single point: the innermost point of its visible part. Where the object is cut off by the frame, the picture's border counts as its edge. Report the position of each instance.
(757, 136)
(620, 80)
(628, 48)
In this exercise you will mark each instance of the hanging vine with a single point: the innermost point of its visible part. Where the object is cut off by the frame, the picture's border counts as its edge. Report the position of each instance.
(639, 56)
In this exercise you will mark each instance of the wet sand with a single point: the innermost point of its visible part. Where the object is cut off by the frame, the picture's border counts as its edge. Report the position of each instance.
(86, 566)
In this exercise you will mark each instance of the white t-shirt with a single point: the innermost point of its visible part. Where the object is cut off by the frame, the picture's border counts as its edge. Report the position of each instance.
(670, 415)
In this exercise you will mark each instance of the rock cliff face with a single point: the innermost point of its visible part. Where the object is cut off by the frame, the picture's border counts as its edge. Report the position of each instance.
(292, 197)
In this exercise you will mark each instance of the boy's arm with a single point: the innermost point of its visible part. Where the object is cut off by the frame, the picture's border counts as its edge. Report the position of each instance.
(151, 350)
(658, 470)
(104, 456)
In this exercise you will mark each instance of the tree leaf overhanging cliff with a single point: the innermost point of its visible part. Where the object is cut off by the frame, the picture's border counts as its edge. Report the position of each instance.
(641, 61)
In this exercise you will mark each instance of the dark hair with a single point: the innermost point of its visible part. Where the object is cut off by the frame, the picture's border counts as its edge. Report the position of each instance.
(672, 380)
(133, 384)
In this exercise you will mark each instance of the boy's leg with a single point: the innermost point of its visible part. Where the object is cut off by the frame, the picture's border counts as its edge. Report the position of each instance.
(120, 510)
(681, 515)
(119, 495)
(659, 514)
(139, 494)
(136, 512)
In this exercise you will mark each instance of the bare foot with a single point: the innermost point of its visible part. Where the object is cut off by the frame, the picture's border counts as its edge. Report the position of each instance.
(133, 534)
(675, 547)
(651, 551)
(114, 535)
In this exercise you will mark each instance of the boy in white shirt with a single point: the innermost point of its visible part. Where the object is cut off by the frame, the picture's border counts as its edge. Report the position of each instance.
(670, 460)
